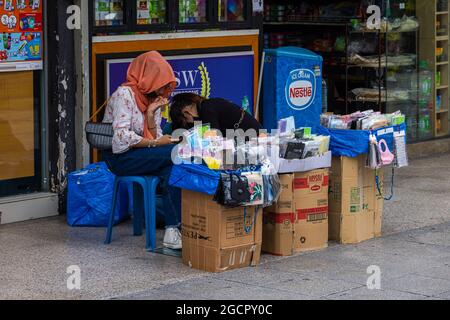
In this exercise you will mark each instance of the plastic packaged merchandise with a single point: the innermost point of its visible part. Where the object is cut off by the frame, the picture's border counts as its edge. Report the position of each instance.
(366, 120)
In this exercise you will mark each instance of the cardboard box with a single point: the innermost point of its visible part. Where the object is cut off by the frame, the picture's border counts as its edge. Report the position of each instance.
(301, 165)
(356, 207)
(214, 237)
(311, 205)
(280, 220)
(299, 221)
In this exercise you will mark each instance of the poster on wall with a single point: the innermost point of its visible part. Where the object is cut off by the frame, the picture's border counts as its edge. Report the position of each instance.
(225, 75)
(21, 40)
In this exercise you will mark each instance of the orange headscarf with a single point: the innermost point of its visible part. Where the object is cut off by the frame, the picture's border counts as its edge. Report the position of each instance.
(146, 74)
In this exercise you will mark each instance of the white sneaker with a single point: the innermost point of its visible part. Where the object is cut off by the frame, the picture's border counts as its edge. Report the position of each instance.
(172, 239)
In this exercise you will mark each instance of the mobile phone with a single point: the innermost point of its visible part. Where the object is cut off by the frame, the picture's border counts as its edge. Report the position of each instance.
(174, 140)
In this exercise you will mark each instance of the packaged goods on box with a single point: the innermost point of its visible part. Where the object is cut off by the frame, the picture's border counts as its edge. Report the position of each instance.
(216, 238)
(297, 149)
(298, 222)
(355, 204)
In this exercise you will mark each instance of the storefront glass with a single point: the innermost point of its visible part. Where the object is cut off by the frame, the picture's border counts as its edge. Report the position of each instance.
(231, 10)
(434, 64)
(21, 52)
(403, 66)
(193, 11)
(151, 12)
(109, 12)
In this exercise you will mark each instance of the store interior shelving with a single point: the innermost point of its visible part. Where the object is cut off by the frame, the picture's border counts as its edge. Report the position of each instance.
(382, 64)
(434, 17)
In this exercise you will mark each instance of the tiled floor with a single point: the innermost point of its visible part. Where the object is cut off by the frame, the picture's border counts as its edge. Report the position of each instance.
(414, 258)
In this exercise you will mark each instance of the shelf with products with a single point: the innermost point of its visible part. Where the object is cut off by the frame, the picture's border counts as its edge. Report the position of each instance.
(332, 30)
(113, 17)
(434, 50)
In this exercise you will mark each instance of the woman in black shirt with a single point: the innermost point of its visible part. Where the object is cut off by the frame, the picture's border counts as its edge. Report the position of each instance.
(220, 114)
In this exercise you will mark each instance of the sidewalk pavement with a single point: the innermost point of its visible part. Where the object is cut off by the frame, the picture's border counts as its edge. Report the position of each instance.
(413, 256)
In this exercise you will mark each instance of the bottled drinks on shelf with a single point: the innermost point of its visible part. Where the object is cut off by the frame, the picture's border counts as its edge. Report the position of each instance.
(426, 82)
(425, 101)
(424, 124)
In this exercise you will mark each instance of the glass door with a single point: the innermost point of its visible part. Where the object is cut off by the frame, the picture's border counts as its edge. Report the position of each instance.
(20, 156)
(21, 62)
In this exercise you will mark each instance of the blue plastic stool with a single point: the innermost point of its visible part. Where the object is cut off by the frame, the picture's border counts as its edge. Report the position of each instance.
(149, 185)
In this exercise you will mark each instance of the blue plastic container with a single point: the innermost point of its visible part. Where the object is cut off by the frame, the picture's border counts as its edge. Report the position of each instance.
(292, 87)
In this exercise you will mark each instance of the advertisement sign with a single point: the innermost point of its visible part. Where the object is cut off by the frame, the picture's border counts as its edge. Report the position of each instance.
(227, 75)
(20, 34)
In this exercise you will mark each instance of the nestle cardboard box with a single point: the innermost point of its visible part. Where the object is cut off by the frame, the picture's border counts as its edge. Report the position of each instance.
(216, 238)
(356, 207)
(299, 221)
(311, 205)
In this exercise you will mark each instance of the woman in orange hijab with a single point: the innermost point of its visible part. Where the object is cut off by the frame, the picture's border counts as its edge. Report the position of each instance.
(139, 147)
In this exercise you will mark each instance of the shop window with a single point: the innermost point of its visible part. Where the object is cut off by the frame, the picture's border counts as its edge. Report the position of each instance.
(231, 10)
(109, 13)
(151, 12)
(192, 11)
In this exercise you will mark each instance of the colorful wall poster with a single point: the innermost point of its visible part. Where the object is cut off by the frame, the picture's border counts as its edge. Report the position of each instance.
(20, 15)
(21, 26)
(17, 47)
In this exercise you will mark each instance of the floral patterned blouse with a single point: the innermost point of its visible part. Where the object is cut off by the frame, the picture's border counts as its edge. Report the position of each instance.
(127, 120)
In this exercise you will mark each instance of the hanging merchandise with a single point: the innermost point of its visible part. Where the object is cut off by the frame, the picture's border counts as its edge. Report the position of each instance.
(401, 156)
(233, 190)
(374, 158)
(380, 187)
(387, 157)
(255, 187)
(272, 189)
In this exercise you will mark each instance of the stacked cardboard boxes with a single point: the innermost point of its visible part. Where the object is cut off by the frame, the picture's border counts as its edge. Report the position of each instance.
(298, 222)
(216, 238)
(356, 206)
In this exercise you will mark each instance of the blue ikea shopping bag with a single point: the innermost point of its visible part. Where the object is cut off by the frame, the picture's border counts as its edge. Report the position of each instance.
(90, 193)
(193, 177)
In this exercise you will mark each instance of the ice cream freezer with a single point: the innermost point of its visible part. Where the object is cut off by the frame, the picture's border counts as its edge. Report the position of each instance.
(292, 87)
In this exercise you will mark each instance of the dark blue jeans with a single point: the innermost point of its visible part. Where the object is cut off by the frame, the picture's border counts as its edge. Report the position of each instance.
(150, 162)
